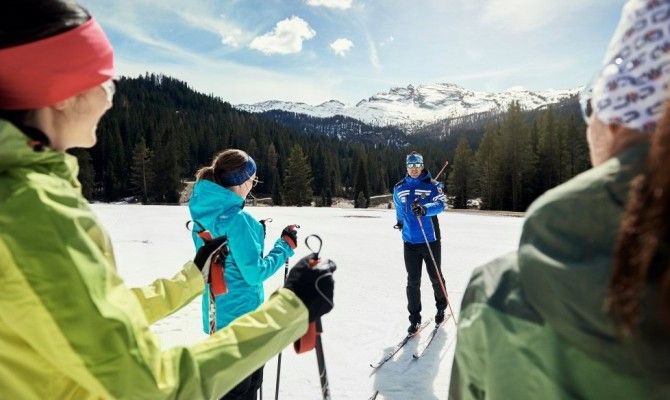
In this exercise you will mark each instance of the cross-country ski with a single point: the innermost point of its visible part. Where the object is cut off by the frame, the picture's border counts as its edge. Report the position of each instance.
(389, 355)
(423, 346)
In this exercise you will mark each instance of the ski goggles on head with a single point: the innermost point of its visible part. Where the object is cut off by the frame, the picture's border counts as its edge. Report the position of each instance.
(414, 165)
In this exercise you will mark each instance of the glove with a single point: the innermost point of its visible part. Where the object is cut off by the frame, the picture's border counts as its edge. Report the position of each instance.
(290, 235)
(398, 225)
(211, 250)
(418, 209)
(314, 286)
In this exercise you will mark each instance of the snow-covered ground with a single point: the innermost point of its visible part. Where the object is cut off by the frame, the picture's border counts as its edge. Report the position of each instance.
(370, 313)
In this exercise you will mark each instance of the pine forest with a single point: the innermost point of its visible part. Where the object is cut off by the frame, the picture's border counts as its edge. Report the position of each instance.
(160, 131)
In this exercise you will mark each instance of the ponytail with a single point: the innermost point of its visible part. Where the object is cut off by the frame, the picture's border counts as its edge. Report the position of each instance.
(205, 173)
(642, 258)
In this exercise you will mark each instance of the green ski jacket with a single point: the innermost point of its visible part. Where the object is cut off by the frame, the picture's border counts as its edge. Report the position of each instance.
(532, 323)
(71, 329)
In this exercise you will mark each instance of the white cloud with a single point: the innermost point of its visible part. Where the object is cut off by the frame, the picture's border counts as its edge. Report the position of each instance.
(341, 4)
(286, 38)
(373, 56)
(341, 46)
(528, 15)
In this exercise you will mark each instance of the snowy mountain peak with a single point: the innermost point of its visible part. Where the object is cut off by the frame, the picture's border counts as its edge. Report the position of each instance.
(412, 106)
(331, 104)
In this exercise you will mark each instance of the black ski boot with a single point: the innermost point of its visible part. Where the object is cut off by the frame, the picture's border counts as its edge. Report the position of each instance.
(413, 327)
(439, 317)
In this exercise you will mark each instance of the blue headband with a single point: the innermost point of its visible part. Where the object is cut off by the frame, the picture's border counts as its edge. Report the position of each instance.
(241, 175)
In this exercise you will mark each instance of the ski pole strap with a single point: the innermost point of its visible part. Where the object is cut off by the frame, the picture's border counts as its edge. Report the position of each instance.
(308, 341)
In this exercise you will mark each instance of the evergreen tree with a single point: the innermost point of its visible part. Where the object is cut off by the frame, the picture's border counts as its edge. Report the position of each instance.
(576, 148)
(361, 186)
(86, 174)
(165, 163)
(517, 159)
(549, 151)
(297, 190)
(142, 174)
(461, 177)
(487, 168)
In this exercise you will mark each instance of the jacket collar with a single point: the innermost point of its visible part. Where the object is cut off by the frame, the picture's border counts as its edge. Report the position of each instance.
(424, 177)
(208, 197)
(28, 148)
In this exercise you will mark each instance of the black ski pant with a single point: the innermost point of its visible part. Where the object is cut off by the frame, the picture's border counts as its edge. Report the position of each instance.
(246, 390)
(415, 256)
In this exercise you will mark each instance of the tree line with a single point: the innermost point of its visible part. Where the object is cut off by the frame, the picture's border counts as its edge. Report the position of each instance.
(160, 131)
(519, 158)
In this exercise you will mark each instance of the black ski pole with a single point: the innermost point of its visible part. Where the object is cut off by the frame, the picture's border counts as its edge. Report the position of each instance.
(279, 357)
(323, 376)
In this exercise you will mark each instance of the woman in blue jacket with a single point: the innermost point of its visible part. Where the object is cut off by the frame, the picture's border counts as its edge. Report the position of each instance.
(217, 204)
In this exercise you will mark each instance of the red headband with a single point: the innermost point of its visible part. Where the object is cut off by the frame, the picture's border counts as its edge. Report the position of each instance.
(42, 73)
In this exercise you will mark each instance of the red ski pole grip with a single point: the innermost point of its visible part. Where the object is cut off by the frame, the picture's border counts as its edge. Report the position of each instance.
(219, 286)
(308, 341)
(206, 236)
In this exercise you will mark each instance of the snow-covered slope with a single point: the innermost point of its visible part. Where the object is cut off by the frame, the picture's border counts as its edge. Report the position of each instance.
(412, 107)
(370, 312)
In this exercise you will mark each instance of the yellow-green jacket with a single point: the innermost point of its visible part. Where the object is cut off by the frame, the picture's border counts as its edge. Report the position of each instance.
(532, 323)
(71, 329)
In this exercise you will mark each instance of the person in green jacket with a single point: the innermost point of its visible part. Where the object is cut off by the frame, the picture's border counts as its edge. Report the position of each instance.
(539, 323)
(69, 326)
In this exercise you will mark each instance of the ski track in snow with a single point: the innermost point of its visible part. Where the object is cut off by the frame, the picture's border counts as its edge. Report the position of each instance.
(370, 313)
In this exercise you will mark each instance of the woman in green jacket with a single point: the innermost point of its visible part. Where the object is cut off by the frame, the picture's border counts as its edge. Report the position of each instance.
(69, 327)
(547, 321)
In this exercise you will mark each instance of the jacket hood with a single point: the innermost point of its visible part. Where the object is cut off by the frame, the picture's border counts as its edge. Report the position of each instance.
(16, 152)
(210, 201)
(566, 256)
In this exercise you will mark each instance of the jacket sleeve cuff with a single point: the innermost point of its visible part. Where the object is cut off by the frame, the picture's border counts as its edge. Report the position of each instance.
(287, 249)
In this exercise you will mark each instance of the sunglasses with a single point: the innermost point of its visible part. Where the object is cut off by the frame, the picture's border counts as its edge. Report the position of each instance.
(110, 88)
(415, 165)
(585, 97)
(255, 182)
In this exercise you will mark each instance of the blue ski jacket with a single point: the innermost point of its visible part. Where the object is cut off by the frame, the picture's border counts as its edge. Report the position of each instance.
(429, 194)
(221, 212)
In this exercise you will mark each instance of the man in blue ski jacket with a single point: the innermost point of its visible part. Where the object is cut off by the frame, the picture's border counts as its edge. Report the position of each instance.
(417, 197)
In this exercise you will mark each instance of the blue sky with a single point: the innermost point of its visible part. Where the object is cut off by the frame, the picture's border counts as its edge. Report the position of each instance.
(247, 51)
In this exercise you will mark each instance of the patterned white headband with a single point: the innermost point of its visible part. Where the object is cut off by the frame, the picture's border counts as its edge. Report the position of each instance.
(632, 86)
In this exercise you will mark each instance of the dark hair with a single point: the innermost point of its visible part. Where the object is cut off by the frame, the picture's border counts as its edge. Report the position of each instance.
(25, 21)
(223, 164)
(642, 262)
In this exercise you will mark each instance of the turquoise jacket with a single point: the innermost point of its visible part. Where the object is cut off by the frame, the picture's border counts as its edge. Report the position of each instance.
(221, 211)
